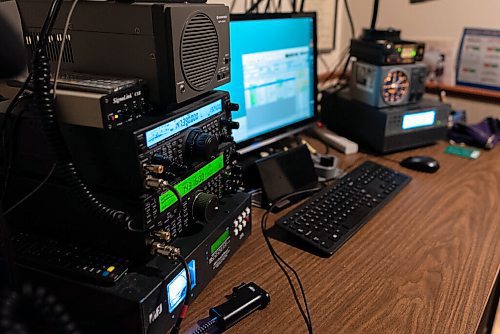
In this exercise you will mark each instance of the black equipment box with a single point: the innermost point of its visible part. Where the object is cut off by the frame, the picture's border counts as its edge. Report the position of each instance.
(90, 106)
(147, 298)
(387, 51)
(198, 156)
(387, 86)
(180, 49)
(385, 129)
(182, 142)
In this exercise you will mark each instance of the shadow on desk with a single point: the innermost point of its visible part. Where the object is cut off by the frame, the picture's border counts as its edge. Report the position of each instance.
(279, 234)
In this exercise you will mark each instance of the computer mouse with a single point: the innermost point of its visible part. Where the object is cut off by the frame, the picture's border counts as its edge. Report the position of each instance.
(421, 164)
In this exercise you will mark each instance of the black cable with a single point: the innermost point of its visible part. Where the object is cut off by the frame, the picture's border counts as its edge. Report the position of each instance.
(15, 100)
(327, 147)
(255, 6)
(9, 152)
(277, 259)
(43, 98)
(302, 4)
(341, 85)
(345, 53)
(44, 101)
(344, 70)
(324, 62)
(268, 5)
(38, 187)
(207, 327)
(34, 310)
(374, 14)
(349, 16)
(187, 299)
(48, 24)
(280, 261)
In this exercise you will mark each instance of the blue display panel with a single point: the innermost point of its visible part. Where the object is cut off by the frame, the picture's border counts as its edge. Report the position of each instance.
(418, 120)
(272, 74)
(176, 289)
(166, 130)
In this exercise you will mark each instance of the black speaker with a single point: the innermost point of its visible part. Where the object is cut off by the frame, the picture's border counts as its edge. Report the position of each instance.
(180, 49)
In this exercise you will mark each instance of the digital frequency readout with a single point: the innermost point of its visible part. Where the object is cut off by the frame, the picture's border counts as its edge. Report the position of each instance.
(215, 246)
(191, 182)
(166, 130)
(418, 120)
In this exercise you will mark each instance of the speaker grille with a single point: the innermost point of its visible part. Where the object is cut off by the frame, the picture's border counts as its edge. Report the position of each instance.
(199, 51)
(53, 46)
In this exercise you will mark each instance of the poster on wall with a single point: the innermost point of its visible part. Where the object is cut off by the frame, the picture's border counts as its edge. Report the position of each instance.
(478, 62)
(440, 58)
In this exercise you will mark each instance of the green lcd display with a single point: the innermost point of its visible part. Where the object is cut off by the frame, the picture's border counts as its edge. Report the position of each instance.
(219, 242)
(194, 180)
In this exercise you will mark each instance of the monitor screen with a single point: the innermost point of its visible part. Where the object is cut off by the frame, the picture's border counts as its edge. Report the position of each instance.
(273, 74)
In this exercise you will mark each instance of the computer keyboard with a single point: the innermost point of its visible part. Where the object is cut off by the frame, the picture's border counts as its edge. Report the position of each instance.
(330, 217)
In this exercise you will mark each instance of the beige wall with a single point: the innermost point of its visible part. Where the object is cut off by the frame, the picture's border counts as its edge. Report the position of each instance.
(439, 18)
(476, 110)
(343, 34)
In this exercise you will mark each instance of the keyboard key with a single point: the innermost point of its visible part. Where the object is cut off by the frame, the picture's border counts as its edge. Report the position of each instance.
(332, 216)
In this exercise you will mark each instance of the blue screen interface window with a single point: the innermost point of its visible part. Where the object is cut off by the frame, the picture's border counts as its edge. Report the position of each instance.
(176, 289)
(272, 69)
(171, 128)
(419, 120)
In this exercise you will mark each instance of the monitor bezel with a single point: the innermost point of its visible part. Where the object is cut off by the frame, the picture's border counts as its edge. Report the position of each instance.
(282, 132)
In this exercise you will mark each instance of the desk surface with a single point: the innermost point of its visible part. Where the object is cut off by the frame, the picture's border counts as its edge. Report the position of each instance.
(424, 264)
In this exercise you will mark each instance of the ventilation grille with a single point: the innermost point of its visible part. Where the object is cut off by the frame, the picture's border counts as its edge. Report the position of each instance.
(199, 51)
(53, 46)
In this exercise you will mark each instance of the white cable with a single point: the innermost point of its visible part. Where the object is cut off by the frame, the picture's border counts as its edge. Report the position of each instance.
(63, 43)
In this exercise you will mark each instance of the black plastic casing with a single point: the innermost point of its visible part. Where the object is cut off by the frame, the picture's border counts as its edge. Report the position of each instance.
(245, 299)
(138, 40)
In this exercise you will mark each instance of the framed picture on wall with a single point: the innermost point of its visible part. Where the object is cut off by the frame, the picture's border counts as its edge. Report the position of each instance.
(478, 63)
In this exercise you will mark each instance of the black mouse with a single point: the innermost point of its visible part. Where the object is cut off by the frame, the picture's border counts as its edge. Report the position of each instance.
(421, 164)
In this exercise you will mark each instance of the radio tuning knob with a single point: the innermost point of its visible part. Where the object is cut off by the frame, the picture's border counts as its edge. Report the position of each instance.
(232, 125)
(205, 207)
(233, 106)
(200, 146)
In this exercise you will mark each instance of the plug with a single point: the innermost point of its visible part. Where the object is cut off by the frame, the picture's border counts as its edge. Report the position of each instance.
(245, 299)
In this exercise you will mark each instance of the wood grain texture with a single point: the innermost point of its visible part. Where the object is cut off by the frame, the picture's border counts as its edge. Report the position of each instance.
(464, 91)
(423, 264)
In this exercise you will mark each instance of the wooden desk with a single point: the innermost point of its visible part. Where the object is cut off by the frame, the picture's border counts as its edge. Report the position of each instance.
(424, 264)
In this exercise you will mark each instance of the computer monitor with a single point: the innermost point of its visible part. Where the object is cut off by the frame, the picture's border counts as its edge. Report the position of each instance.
(273, 76)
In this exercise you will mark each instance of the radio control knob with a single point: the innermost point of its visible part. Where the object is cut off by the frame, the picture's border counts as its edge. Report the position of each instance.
(200, 146)
(233, 106)
(205, 207)
(230, 124)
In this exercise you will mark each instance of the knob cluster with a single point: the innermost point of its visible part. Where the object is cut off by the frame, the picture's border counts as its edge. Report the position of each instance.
(205, 207)
(200, 146)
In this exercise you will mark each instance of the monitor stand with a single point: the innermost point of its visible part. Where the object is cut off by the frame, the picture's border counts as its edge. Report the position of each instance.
(251, 178)
(277, 171)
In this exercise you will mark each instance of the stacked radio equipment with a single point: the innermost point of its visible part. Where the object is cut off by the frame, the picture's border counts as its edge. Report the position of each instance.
(152, 155)
(385, 108)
